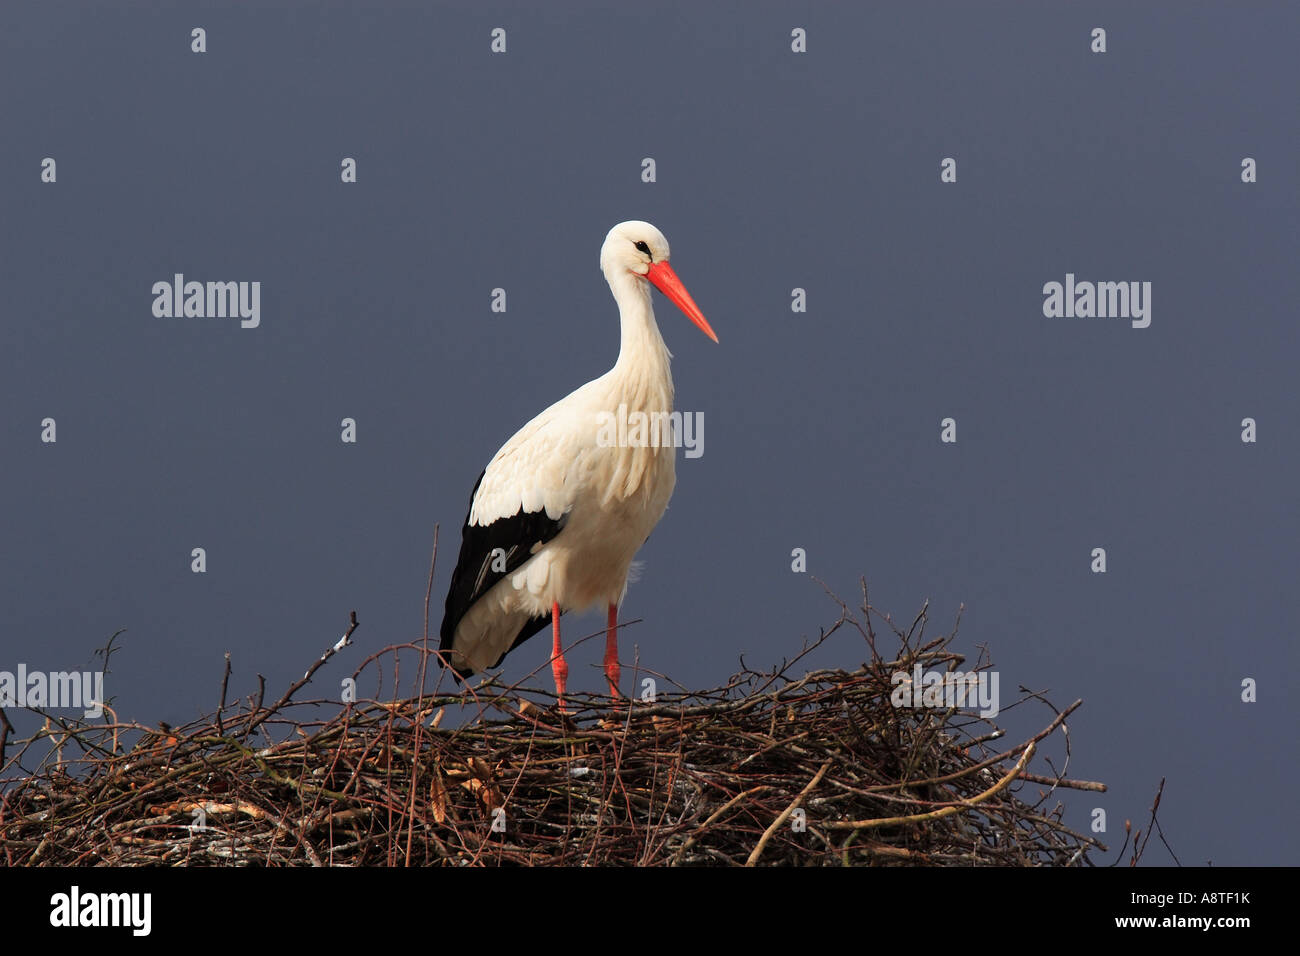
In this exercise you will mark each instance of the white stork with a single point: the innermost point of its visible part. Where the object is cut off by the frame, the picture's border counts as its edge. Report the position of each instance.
(558, 514)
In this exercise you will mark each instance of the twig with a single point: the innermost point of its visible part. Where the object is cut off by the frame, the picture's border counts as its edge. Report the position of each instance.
(936, 814)
(785, 814)
(419, 710)
(225, 679)
(306, 678)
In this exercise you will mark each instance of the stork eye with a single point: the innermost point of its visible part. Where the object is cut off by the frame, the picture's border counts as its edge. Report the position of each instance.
(643, 247)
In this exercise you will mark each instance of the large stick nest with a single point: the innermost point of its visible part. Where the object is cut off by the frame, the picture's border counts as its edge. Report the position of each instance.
(776, 768)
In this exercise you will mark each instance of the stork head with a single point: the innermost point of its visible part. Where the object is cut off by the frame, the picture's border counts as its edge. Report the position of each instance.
(639, 249)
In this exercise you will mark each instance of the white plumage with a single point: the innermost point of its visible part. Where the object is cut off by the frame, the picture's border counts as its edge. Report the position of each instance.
(559, 513)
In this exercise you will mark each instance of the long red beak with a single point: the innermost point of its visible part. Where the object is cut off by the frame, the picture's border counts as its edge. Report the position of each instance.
(662, 275)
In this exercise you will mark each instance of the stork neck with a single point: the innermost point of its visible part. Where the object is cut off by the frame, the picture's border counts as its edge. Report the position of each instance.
(642, 351)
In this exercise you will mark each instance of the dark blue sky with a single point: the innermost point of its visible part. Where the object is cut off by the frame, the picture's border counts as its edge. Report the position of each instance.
(775, 170)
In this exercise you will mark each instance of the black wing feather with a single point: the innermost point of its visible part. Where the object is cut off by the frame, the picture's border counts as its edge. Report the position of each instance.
(516, 536)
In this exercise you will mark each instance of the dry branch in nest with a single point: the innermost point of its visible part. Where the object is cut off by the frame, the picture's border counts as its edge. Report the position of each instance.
(776, 768)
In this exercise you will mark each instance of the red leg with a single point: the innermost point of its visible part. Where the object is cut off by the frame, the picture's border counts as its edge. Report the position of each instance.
(611, 651)
(559, 668)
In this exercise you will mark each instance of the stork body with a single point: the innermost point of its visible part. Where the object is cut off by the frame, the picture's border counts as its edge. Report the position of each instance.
(561, 510)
